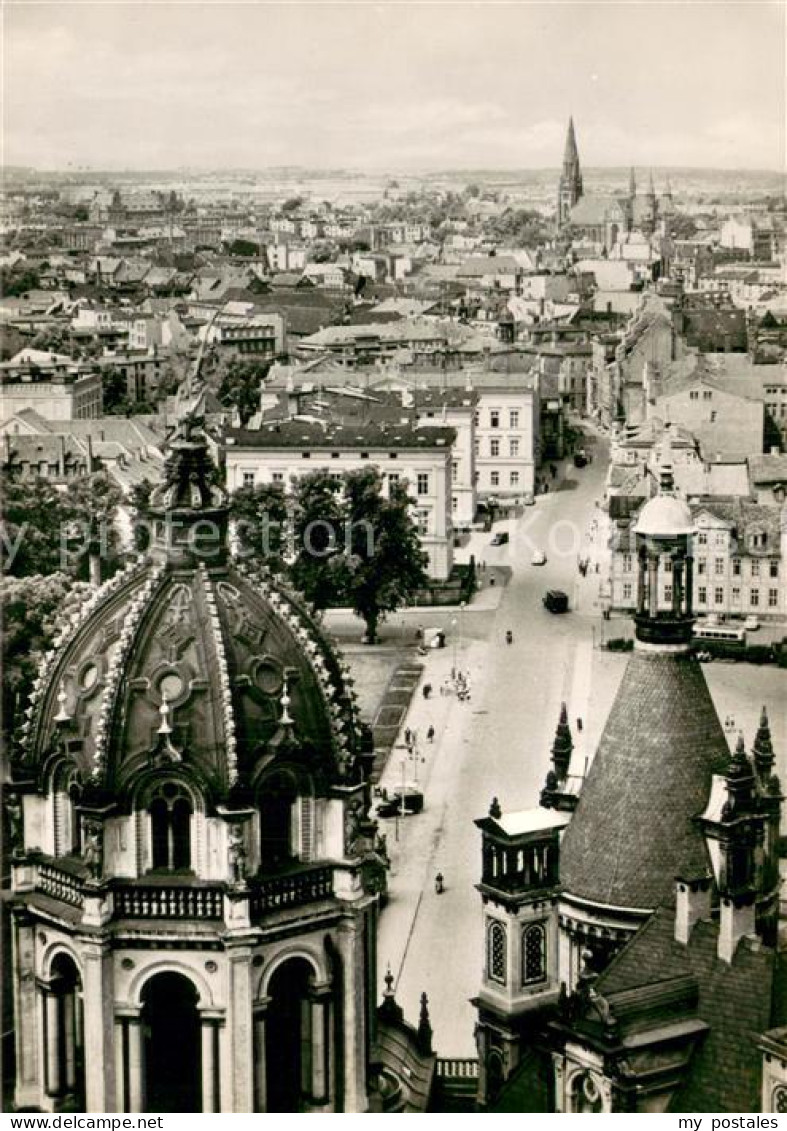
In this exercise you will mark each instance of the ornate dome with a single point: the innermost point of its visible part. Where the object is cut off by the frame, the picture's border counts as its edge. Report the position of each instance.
(185, 657)
(665, 516)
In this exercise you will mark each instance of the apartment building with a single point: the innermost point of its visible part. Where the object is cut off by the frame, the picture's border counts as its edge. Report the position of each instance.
(279, 452)
(739, 554)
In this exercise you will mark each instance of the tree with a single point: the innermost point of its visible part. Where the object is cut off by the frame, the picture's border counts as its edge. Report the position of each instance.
(320, 567)
(114, 390)
(34, 514)
(243, 247)
(93, 502)
(386, 565)
(292, 204)
(260, 518)
(32, 609)
(240, 386)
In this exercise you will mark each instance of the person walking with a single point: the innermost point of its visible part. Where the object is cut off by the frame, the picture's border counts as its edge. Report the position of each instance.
(430, 734)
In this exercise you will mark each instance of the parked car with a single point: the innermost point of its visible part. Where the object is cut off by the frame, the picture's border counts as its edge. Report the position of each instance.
(751, 624)
(539, 558)
(555, 601)
(529, 499)
(499, 539)
(412, 798)
(580, 458)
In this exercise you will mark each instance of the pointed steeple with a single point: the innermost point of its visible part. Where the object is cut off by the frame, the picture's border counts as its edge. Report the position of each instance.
(632, 183)
(570, 154)
(424, 1038)
(563, 745)
(570, 185)
(763, 747)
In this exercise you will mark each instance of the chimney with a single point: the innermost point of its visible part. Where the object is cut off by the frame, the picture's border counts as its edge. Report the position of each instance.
(692, 903)
(735, 922)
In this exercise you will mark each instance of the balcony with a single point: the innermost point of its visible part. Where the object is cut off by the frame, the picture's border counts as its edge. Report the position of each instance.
(169, 901)
(293, 889)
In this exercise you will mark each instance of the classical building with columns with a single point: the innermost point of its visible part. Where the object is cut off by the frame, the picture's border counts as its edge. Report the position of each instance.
(633, 959)
(195, 875)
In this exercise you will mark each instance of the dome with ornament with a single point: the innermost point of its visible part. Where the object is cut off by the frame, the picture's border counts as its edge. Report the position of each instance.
(187, 659)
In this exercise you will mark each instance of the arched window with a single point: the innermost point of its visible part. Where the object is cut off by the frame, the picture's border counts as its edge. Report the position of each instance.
(585, 1094)
(277, 797)
(496, 952)
(170, 810)
(534, 954)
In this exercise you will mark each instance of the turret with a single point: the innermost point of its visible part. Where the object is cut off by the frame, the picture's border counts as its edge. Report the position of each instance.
(570, 184)
(561, 789)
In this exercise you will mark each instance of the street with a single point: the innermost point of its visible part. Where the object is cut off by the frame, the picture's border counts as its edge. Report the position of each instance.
(498, 743)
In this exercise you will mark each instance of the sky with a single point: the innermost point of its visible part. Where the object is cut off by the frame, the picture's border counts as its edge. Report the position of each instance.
(162, 84)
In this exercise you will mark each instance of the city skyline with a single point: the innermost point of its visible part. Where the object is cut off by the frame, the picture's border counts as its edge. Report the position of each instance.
(381, 86)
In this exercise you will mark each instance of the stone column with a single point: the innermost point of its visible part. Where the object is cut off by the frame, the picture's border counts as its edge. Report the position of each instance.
(689, 585)
(52, 1029)
(260, 1061)
(28, 1015)
(320, 1013)
(210, 1102)
(98, 997)
(350, 944)
(136, 1067)
(69, 1040)
(641, 586)
(677, 585)
(653, 584)
(120, 1065)
(238, 1095)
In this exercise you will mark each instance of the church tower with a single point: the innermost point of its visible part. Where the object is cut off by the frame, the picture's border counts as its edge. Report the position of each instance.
(570, 184)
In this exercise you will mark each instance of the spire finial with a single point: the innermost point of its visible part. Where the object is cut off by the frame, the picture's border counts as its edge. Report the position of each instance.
(763, 746)
(286, 718)
(164, 711)
(62, 715)
(389, 982)
(424, 1027)
(563, 745)
(495, 812)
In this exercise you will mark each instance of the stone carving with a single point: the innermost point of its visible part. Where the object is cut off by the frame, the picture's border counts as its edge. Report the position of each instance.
(93, 852)
(13, 811)
(238, 856)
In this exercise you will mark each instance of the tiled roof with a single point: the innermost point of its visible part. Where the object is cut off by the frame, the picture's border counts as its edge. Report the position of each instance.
(737, 1000)
(633, 829)
(770, 468)
(312, 436)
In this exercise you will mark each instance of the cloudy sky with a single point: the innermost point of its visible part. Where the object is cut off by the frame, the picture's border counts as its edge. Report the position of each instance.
(397, 84)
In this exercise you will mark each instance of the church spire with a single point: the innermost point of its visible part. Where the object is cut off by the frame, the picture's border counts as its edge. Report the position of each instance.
(570, 185)
(632, 183)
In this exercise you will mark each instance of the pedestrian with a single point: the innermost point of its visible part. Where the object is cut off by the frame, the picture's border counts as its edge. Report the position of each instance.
(427, 690)
(579, 725)
(408, 736)
(430, 734)
(438, 883)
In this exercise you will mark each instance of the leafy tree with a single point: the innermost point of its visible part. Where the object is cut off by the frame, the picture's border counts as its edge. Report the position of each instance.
(115, 390)
(19, 280)
(240, 386)
(386, 565)
(292, 204)
(319, 568)
(32, 608)
(243, 247)
(34, 514)
(46, 531)
(260, 516)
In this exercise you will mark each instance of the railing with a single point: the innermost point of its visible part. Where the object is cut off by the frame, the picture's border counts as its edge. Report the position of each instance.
(60, 885)
(457, 1068)
(168, 902)
(292, 890)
